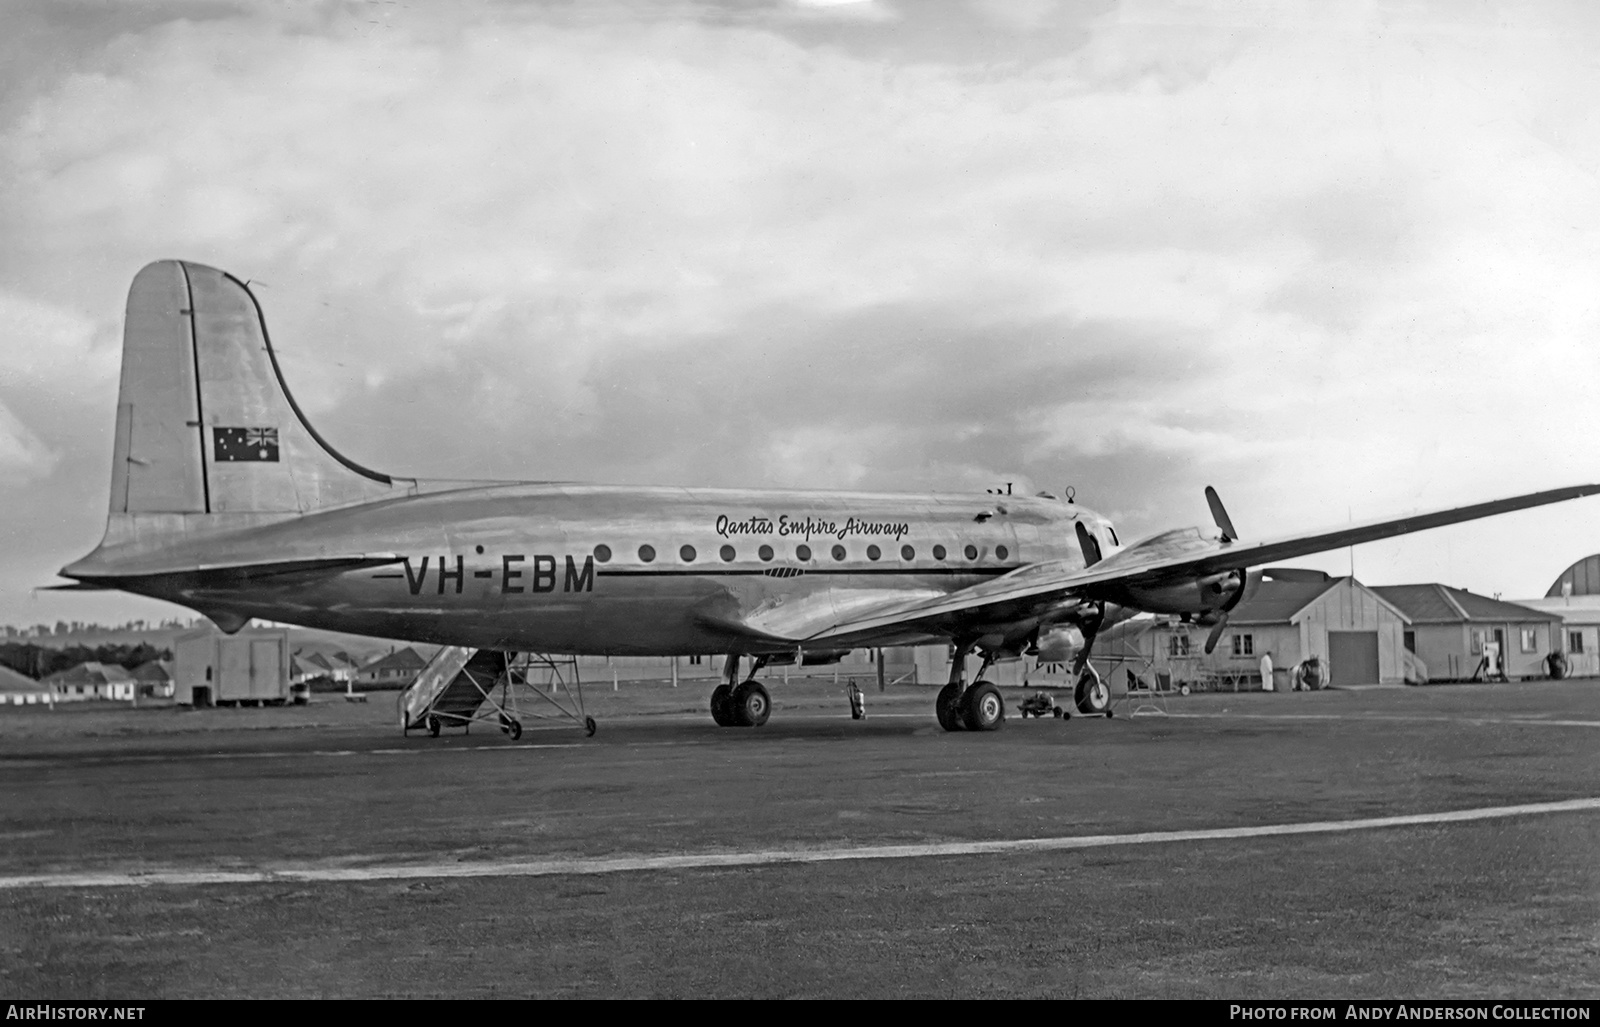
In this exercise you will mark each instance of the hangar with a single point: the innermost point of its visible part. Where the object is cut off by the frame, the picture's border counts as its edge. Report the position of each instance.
(1575, 597)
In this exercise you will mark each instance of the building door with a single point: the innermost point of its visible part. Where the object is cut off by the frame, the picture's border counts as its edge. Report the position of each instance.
(1353, 657)
(266, 669)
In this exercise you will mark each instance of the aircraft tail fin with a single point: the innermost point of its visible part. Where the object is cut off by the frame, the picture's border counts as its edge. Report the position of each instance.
(205, 421)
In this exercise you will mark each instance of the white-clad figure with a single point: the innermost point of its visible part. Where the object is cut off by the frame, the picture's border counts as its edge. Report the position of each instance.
(1266, 672)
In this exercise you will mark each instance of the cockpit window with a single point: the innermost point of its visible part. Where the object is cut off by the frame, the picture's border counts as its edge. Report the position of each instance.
(1114, 540)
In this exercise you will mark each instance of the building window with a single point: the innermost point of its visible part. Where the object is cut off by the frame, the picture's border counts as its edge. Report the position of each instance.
(802, 552)
(1530, 640)
(686, 554)
(838, 552)
(1411, 641)
(1477, 642)
(1574, 641)
(694, 661)
(907, 553)
(602, 553)
(1178, 645)
(1244, 645)
(647, 553)
(728, 554)
(873, 552)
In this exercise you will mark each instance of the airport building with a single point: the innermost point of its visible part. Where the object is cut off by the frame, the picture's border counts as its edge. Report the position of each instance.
(20, 690)
(1460, 636)
(1574, 597)
(92, 680)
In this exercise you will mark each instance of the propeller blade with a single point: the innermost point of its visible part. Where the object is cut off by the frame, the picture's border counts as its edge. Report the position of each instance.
(1304, 574)
(1216, 633)
(1087, 543)
(1220, 515)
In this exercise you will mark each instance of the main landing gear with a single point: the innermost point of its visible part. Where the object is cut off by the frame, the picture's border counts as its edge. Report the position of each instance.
(978, 707)
(745, 704)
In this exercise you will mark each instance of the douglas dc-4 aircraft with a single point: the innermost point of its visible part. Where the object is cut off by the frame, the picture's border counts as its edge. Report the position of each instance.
(225, 499)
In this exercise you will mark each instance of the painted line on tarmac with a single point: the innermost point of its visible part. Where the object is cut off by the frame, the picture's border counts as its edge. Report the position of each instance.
(768, 857)
(1400, 717)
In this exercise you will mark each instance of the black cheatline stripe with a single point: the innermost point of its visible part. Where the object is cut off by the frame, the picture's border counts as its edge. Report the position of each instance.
(261, 319)
(199, 400)
(712, 572)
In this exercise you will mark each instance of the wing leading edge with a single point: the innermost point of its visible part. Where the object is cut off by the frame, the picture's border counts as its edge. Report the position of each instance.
(1169, 557)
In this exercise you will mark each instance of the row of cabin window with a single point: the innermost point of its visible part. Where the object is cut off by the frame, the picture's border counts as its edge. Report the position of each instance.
(647, 553)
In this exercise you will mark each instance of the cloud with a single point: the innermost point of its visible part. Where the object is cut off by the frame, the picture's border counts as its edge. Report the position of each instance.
(23, 457)
(1290, 253)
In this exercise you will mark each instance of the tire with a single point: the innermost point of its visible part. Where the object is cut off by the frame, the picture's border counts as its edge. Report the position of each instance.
(433, 726)
(589, 727)
(722, 705)
(1057, 711)
(945, 708)
(982, 708)
(751, 704)
(1092, 695)
(1183, 689)
(515, 730)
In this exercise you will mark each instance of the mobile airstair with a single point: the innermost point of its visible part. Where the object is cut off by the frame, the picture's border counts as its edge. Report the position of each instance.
(462, 686)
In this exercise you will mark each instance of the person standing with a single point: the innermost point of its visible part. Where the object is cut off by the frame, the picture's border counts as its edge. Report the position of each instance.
(1266, 671)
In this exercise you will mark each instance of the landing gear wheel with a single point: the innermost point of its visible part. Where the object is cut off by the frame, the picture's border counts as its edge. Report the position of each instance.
(722, 705)
(1091, 695)
(982, 708)
(751, 704)
(947, 708)
(433, 726)
(589, 727)
(515, 730)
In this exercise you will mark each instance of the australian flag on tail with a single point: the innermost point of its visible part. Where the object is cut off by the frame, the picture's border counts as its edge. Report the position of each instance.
(246, 444)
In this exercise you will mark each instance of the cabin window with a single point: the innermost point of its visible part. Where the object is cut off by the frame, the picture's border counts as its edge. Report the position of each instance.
(1244, 645)
(727, 554)
(802, 552)
(972, 552)
(765, 552)
(1001, 552)
(647, 553)
(1574, 641)
(602, 553)
(1530, 640)
(686, 554)
(907, 553)
(938, 552)
(838, 552)
(873, 552)
(1113, 532)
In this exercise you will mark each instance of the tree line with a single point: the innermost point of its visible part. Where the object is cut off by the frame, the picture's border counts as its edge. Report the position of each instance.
(38, 661)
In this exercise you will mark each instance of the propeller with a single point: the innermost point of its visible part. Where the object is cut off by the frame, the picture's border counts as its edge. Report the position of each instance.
(1220, 515)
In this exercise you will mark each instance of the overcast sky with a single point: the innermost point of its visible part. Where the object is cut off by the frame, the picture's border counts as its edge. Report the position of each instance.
(1338, 260)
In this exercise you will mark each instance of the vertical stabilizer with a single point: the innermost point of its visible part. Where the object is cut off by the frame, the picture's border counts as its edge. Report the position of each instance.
(205, 421)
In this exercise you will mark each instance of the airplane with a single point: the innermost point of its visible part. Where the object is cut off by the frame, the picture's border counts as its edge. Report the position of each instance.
(225, 499)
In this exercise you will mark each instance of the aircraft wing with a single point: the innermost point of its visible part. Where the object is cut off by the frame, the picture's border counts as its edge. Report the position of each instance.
(1163, 559)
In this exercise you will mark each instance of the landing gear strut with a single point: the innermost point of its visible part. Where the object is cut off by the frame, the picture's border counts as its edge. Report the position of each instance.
(745, 704)
(976, 708)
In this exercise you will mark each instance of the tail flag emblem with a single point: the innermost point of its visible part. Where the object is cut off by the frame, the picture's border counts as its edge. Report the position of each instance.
(240, 444)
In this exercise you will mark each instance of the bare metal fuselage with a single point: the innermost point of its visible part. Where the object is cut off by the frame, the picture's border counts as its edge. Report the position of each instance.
(559, 568)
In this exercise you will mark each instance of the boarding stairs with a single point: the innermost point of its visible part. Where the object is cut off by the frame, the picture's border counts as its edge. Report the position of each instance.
(462, 686)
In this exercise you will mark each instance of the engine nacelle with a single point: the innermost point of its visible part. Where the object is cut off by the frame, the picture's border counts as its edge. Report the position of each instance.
(1059, 644)
(1196, 597)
